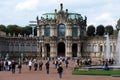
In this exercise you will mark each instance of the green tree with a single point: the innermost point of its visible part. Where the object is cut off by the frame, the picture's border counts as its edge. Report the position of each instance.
(109, 29)
(13, 29)
(3, 28)
(100, 30)
(91, 30)
(27, 30)
(115, 33)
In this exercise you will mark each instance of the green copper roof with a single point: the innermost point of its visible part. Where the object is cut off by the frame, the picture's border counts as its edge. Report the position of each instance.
(49, 15)
(70, 16)
(74, 15)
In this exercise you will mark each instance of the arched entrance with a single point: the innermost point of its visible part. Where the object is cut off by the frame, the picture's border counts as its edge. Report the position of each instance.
(48, 49)
(74, 50)
(61, 49)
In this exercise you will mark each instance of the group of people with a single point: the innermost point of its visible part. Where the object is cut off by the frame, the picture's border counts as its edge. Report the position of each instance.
(84, 62)
(34, 64)
(10, 65)
(105, 63)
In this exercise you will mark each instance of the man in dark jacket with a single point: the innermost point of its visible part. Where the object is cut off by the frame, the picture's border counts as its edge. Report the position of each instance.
(60, 71)
(19, 66)
(47, 67)
(13, 66)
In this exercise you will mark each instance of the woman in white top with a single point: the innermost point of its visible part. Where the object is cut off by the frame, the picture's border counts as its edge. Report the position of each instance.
(30, 65)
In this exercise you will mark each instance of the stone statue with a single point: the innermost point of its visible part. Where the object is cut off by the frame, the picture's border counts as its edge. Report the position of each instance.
(61, 6)
(118, 25)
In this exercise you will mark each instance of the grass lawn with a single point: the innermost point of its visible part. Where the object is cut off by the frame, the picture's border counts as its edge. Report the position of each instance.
(96, 72)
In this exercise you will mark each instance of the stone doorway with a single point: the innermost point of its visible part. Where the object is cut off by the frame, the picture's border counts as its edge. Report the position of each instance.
(74, 50)
(61, 49)
(48, 49)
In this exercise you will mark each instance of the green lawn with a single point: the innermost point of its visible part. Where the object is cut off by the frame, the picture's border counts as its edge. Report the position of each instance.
(96, 72)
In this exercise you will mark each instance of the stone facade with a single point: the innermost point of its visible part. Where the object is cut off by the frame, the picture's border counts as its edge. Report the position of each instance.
(58, 34)
(63, 34)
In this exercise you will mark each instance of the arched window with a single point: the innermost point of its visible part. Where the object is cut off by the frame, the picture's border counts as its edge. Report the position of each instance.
(47, 30)
(61, 30)
(74, 30)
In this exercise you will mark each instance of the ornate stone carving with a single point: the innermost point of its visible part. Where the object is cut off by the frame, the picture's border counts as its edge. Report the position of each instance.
(118, 25)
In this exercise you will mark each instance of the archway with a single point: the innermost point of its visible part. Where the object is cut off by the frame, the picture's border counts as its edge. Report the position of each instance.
(48, 49)
(61, 49)
(74, 50)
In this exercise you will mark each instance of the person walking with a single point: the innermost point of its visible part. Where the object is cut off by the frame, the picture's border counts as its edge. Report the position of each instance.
(47, 67)
(35, 66)
(66, 62)
(60, 71)
(19, 66)
(13, 66)
(30, 65)
(40, 65)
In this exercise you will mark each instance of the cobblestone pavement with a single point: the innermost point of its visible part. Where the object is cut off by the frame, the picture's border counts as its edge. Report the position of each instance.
(41, 75)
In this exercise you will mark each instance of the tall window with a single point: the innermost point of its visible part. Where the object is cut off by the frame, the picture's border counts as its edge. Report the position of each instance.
(61, 30)
(74, 31)
(95, 48)
(47, 30)
(101, 48)
(88, 47)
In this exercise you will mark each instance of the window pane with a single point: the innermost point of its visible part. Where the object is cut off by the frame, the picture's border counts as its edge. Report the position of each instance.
(61, 30)
(47, 30)
(74, 31)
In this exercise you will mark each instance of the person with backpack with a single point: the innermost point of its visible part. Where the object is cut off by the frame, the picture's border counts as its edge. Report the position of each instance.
(66, 62)
(60, 71)
(19, 66)
(47, 67)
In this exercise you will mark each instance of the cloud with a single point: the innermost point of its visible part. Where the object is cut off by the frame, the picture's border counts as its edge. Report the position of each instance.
(27, 5)
(104, 17)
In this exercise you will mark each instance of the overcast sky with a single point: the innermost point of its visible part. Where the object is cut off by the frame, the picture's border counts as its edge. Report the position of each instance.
(20, 12)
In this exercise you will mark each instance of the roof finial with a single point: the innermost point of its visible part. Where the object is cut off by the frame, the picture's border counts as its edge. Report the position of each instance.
(61, 6)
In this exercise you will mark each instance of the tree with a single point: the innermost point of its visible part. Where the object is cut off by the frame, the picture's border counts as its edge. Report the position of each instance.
(100, 30)
(91, 30)
(28, 30)
(109, 29)
(3, 28)
(12, 29)
(115, 33)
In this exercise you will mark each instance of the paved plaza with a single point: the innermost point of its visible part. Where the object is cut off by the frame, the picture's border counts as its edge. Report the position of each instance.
(41, 75)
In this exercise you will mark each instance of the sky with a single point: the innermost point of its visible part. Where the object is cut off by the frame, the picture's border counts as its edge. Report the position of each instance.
(20, 12)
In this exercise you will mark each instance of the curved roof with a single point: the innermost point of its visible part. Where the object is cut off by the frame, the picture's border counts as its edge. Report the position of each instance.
(70, 16)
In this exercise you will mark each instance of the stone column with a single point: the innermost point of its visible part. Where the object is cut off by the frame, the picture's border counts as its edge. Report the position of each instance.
(38, 31)
(52, 30)
(43, 50)
(68, 49)
(43, 30)
(79, 50)
(53, 50)
(68, 29)
(78, 30)
(38, 49)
